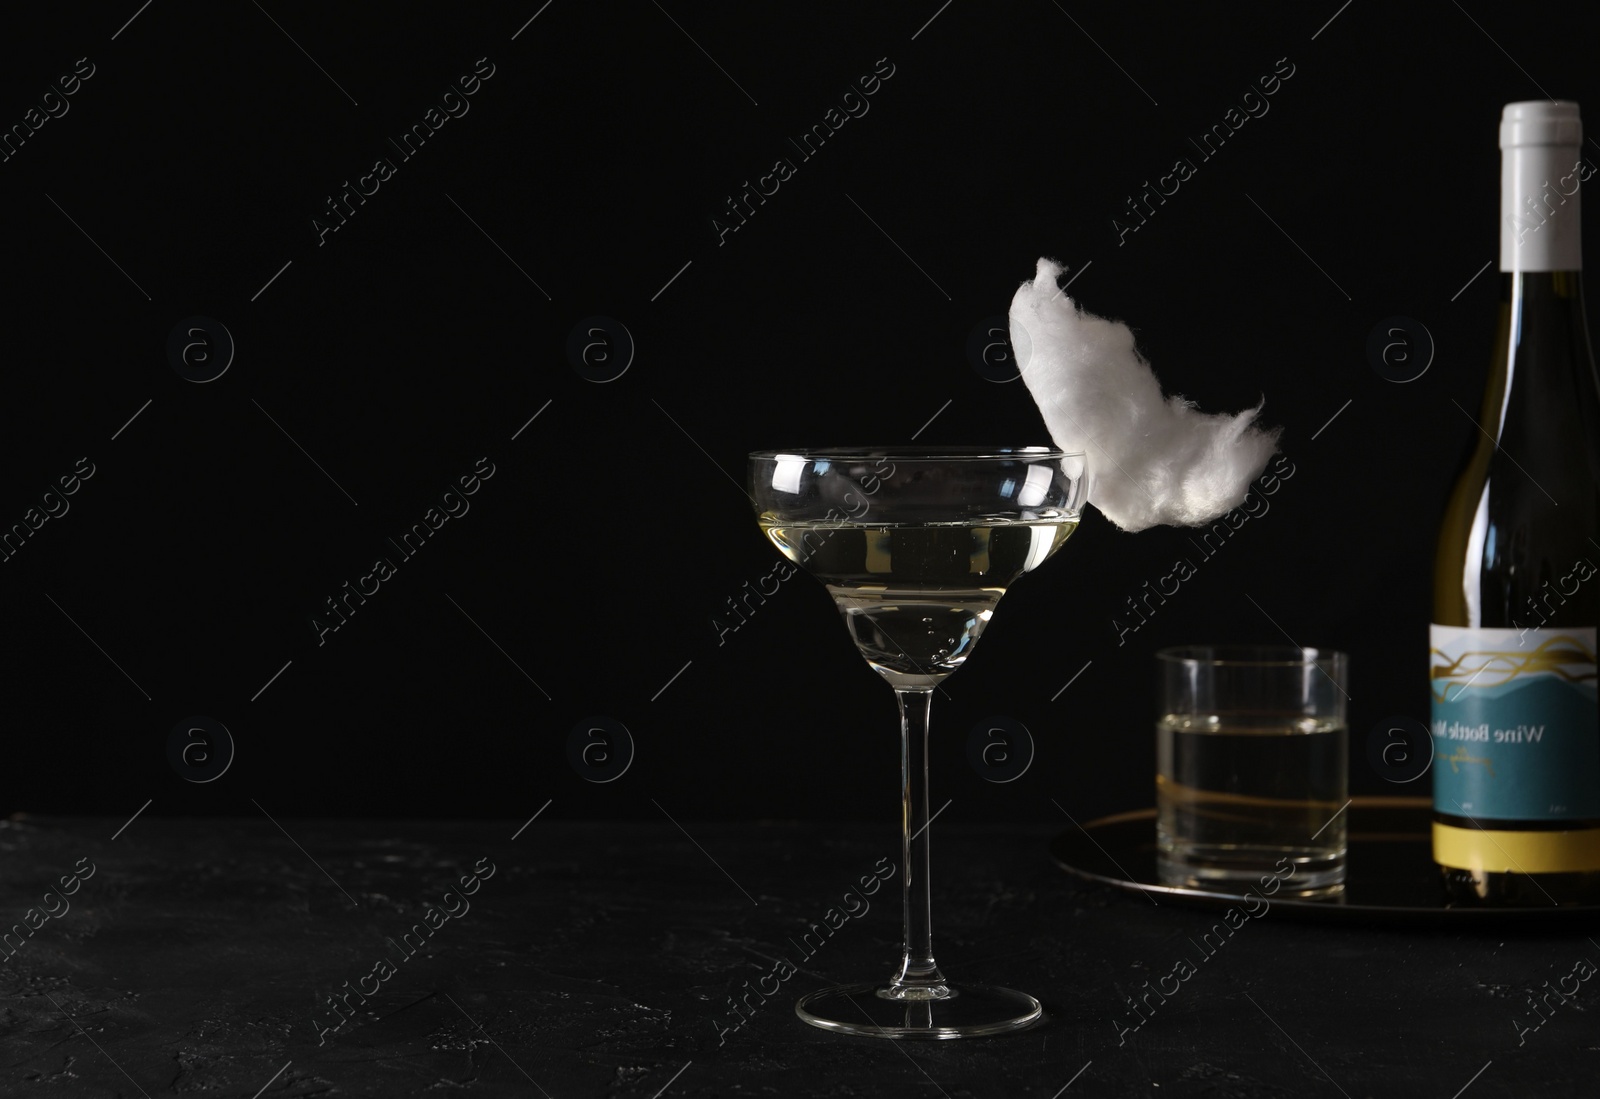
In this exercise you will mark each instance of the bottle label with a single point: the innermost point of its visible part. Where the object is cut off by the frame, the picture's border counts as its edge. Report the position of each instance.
(1516, 728)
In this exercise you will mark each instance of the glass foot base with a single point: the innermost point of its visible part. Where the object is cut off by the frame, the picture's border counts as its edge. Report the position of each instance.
(968, 1011)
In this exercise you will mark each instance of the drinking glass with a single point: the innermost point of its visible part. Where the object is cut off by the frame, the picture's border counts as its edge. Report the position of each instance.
(1251, 772)
(917, 545)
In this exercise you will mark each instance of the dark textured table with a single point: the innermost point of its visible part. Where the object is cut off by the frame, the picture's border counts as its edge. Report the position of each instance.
(199, 957)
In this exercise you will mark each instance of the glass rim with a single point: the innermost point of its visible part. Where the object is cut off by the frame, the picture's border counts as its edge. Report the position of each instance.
(1250, 656)
(901, 452)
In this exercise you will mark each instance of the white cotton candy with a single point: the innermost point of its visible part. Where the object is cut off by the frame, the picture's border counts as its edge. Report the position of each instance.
(1152, 459)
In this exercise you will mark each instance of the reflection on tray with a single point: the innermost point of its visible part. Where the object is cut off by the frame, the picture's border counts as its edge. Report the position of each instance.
(1391, 876)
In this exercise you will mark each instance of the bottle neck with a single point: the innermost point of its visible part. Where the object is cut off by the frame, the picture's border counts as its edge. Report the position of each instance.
(1540, 219)
(1531, 294)
(1549, 381)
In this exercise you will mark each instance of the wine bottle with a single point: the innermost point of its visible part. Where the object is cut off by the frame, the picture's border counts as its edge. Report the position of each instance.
(1516, 730)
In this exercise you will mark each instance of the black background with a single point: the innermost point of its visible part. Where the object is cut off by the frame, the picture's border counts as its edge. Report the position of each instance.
(419, 338)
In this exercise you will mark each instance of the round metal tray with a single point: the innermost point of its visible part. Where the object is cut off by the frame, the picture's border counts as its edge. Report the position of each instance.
(1390, 878)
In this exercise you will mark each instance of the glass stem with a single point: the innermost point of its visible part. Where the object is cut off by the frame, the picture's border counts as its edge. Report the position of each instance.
(919, 977)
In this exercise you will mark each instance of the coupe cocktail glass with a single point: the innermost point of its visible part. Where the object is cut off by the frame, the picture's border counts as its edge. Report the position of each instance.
(916, 546)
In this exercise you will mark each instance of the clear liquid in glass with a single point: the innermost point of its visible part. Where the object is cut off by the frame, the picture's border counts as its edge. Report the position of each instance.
(1246, 797)
(916, 597)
